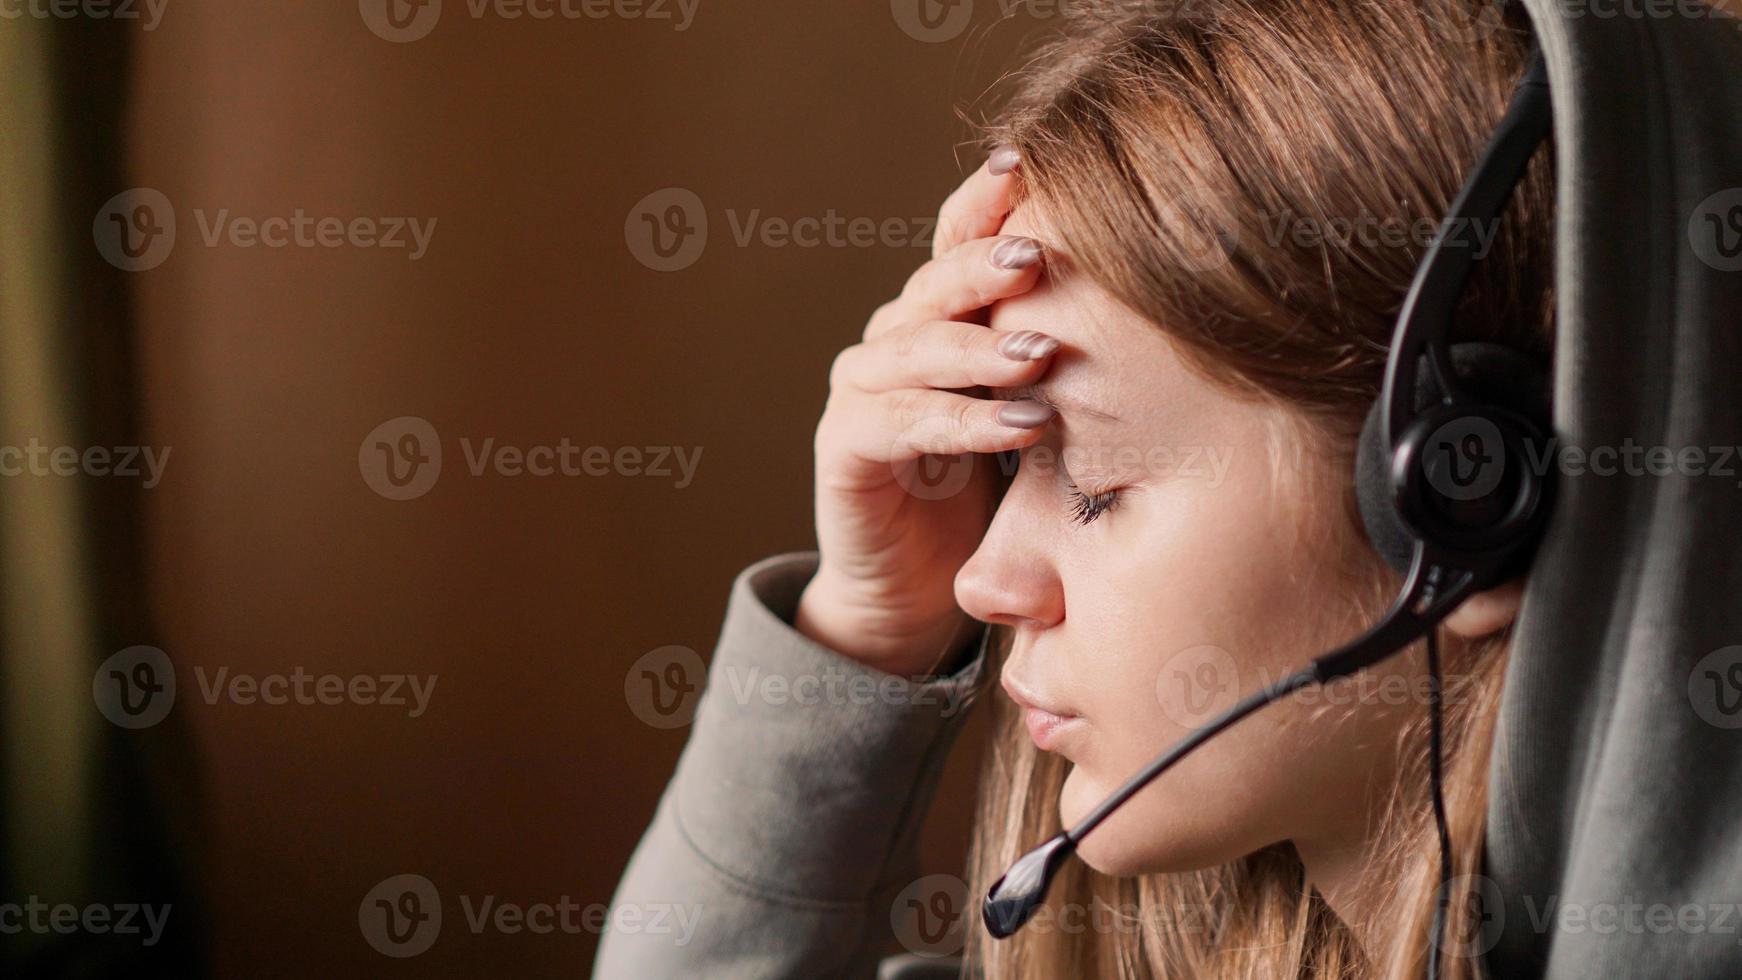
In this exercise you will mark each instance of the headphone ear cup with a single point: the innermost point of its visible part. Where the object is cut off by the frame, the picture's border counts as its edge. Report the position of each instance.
(1374, 495)
(1490, 373)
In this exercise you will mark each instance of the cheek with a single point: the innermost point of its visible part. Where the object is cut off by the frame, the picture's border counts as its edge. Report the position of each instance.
(1188, 597)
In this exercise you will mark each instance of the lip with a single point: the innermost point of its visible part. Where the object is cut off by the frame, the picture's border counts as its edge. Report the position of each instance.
(1048, 724)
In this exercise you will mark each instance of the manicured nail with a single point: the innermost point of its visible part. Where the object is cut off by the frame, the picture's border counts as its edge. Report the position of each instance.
(1027, 345)
(1016, 253)
(1024, 414)
(1002, 160)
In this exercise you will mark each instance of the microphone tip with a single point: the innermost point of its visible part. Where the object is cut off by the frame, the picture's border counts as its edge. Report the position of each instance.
(1015, 896)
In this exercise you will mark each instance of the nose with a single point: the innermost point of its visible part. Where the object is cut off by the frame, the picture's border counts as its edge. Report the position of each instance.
(1011, 579)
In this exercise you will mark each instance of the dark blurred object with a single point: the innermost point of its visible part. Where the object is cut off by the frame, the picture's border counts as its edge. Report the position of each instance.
(97, 820)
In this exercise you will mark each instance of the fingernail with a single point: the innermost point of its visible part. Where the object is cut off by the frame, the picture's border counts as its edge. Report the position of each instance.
(1024, 414)
(1002, 160)
(1027, 345)
(1016, 253)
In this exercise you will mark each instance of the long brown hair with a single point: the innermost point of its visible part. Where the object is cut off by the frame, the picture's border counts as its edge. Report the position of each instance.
(1257, 178)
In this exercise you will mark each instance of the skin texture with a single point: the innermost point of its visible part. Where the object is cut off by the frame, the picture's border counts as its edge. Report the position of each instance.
(1225, 560)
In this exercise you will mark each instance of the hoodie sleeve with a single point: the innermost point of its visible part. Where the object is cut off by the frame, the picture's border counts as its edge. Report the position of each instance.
(792, 820)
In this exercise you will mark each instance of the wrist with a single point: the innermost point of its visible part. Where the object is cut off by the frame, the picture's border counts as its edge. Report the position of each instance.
(870, 634)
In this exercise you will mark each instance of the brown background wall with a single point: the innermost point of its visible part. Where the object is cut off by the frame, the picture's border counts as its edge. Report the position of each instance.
(528, 321)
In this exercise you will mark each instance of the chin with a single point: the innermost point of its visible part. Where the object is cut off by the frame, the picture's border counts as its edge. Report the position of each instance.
(1141, 839)
(1110, 850)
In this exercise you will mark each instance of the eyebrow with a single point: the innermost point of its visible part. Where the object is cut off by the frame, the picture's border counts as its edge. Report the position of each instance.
(1048, 397)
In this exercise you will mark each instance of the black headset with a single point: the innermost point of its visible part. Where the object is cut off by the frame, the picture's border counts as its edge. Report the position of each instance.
(1451, 479)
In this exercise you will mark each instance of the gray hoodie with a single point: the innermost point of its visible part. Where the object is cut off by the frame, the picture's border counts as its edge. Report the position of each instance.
(1615, 787)
(789, 828)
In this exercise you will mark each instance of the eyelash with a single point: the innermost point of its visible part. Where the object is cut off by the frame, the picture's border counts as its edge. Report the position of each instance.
(1085, 507)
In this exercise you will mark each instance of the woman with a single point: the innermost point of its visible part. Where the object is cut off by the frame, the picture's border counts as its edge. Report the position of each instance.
(1167, 298)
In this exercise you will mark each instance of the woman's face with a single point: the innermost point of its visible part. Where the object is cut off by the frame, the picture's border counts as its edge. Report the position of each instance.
(1215, 557)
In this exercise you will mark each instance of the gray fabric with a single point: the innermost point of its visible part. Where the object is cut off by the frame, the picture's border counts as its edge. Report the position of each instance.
(788, 829)
(1613, 786)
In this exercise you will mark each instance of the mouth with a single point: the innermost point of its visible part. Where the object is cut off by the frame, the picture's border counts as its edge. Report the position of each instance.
(1048, 724)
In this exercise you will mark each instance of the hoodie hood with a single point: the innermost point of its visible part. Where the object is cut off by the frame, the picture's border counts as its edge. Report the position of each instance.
(1614, 842)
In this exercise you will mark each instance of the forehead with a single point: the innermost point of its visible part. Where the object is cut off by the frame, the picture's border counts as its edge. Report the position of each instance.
(1077, 312)
(1114, 357)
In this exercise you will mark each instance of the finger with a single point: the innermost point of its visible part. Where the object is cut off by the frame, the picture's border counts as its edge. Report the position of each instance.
(972, 276)
(977, 208)
(944, 354)
(901, 425)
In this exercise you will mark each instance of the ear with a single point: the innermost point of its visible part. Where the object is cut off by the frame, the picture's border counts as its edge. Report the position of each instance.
(1486, 613)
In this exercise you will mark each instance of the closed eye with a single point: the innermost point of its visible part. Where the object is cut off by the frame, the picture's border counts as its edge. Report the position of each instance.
(1085, 507)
